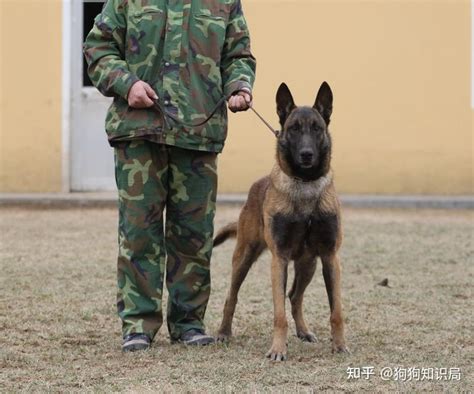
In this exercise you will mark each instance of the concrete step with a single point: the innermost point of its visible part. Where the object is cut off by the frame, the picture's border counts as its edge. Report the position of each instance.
(109, 199)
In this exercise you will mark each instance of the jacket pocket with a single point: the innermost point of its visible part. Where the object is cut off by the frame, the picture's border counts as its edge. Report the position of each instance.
(145, 32)
(207, 35)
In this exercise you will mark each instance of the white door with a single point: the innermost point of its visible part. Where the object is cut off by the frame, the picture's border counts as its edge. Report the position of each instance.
(92, 166)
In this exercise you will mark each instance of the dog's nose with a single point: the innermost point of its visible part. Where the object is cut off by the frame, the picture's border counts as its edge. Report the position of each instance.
(306, 155)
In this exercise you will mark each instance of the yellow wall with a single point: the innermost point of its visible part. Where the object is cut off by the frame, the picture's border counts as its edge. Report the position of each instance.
(399, 70)
(400, 73)
(30, 104)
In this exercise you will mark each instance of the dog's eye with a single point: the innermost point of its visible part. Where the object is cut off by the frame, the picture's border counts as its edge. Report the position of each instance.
(316, 127)
(294, 127)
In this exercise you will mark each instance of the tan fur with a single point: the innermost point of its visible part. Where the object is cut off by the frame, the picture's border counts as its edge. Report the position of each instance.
(280, 193)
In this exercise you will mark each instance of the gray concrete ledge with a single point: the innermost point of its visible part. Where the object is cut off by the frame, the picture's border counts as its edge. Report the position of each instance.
(392, 201)
(109, 199)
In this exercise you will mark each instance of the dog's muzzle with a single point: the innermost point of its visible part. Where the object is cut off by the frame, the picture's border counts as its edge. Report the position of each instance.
(306, 158)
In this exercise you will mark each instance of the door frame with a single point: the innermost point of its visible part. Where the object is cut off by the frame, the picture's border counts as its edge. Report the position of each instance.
(68, 27)
(72, 85)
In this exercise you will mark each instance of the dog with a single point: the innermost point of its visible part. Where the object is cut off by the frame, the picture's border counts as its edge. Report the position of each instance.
(295, 213)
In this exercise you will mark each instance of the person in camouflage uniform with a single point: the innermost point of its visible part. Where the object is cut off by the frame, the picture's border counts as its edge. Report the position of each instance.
(187, 54)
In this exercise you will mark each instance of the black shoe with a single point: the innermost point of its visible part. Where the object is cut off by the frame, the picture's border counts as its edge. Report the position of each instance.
(135, 342)
(196, 338)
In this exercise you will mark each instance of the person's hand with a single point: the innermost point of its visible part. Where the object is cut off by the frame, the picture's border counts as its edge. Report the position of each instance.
(240, 101)
(141, 95)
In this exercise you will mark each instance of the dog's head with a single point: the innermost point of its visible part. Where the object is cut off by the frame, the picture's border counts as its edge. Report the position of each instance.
(304, 143)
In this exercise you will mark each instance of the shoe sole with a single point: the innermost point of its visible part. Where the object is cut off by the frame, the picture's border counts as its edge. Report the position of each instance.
(134, 348)
(135, 345)
(200, 341)
(204, 341)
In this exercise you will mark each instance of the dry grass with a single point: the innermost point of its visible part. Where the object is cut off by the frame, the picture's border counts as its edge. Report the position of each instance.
(59, 331)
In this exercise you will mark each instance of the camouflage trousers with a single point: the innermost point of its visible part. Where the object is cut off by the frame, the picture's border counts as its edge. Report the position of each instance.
(151, 177)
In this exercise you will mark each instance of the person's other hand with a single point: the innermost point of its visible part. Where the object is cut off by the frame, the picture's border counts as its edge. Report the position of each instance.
(240, 101)
(141, 95)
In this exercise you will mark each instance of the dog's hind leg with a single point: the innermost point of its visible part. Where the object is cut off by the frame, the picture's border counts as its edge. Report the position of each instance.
(304, 271)
(244, 256)
(332, 279)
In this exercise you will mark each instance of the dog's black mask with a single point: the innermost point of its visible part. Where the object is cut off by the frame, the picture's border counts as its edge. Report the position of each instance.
(304, 142)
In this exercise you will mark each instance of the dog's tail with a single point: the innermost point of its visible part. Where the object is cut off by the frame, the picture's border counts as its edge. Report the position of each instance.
(228, 231)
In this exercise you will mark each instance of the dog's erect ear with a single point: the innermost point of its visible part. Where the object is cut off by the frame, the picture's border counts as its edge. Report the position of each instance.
(285, 103)
(323, 103)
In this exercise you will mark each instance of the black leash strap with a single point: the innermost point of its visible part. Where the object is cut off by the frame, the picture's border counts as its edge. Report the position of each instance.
(166, 114)
(157, 105)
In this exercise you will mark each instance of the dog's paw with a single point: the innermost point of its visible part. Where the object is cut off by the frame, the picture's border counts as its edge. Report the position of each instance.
(341, 349)
(222, 337)
(307, 336)
(278, 353)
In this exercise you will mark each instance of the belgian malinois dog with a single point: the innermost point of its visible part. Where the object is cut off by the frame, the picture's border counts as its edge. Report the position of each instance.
(295, 213)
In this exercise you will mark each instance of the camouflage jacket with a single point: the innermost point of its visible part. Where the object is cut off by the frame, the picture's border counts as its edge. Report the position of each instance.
(191, 52)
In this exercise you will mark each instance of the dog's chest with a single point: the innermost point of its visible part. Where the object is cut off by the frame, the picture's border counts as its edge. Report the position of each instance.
(296, 235)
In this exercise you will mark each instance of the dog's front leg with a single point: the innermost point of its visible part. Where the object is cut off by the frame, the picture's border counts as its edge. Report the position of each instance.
(332, 280)
(278, 351)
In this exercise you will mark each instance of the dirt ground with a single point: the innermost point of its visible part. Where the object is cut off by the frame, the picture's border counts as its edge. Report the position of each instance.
(59, 331)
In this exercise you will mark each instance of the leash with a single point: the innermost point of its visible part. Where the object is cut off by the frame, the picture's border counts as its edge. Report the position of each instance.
(276, 133)
(157, 105)
(166, 114)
